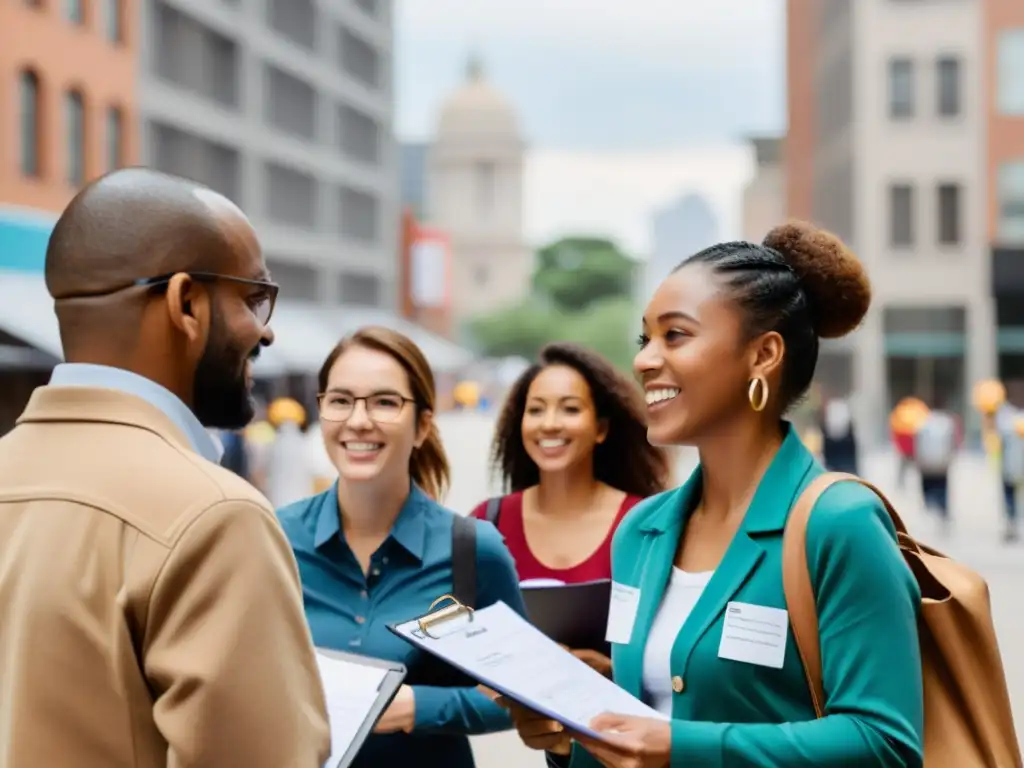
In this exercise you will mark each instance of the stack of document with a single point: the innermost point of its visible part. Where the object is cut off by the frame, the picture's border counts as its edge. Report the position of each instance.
(506, 653)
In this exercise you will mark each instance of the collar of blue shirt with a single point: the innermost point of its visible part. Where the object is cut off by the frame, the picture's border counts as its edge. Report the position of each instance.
(409, 529)
(107, 377)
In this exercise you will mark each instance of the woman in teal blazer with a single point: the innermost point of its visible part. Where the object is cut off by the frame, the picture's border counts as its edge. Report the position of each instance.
(730, 342)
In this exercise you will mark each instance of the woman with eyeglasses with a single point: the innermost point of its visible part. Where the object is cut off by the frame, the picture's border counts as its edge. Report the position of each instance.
(375, 549)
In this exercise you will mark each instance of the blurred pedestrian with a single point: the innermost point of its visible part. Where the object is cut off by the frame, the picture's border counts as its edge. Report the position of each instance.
(838, 436)
(149, 603)
(936, 443)
(908, 415)
(289, 469)
(1009, 423)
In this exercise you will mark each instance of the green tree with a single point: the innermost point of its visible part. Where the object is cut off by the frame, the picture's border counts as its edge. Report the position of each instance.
(518, 330)
(609, 327)
(574, 272)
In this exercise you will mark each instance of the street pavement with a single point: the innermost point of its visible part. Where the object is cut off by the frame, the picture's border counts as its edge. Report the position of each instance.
(974, 538)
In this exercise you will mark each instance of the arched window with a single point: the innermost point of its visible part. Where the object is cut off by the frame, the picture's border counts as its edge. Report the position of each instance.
(30, 108)
(113, 27)
(74, 116)
(115, 138)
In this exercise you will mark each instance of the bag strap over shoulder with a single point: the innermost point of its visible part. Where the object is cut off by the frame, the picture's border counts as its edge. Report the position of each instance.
(796, 577)
(464, 560)
(493, 510)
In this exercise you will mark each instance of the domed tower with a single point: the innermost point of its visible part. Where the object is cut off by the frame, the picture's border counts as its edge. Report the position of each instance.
(475, 193)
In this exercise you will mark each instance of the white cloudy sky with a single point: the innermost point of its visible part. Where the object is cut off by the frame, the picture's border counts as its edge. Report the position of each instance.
(592, 78)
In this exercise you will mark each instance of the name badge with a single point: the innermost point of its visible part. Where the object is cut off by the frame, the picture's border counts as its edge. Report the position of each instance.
(754, 634)
(622, 613)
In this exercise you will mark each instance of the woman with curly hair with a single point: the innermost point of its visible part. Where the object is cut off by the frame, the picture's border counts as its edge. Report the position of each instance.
(571, 445)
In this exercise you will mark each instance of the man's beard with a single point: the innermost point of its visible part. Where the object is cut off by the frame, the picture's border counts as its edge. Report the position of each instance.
(221, 396)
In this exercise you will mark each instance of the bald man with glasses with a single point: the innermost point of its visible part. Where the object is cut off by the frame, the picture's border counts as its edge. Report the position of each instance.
(150, 608)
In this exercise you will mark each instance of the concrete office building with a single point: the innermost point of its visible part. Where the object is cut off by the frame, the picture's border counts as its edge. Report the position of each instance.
(286, 107)
(886, 147)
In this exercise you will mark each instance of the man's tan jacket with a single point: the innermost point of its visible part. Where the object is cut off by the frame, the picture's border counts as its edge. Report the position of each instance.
(150, 607)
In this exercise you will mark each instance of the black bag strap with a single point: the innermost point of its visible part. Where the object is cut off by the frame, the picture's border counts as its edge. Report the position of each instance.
(464, 560)
(493, 510)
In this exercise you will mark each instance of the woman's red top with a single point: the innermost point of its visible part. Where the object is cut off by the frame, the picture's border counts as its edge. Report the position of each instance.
(510, 525)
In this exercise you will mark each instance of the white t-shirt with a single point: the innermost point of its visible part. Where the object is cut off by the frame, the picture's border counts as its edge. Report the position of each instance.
(289, 475)
(838, 418)
(681, 595)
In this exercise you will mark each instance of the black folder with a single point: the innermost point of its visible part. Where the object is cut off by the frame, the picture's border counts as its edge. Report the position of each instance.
(575, 615)
(385, 695)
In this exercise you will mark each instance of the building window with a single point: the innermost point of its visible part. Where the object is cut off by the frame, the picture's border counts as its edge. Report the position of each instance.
(185, 154)
(359, 135)
(289, 103)
(75, 127)
(73, 11)
(292, 196)
(115, 139)
(298, 281)
(1010, 72)
(359, 58)
(1011, 202)
(295, 20)
(950, 201)
(113, 27)
(30, 123)
(359, 218)
(360, 289)
(948, 73)
(195, 57)
(901, 88)
(901, 215)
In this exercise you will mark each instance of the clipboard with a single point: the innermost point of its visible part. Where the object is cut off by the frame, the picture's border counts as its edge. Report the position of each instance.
(575, 615)
(566, 684)
(432, 670)
(395, 674)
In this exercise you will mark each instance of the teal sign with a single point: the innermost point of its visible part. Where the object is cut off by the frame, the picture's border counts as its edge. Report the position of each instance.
(23, 238)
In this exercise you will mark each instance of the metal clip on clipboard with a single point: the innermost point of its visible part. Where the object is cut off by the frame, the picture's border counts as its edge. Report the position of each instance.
(440, 616)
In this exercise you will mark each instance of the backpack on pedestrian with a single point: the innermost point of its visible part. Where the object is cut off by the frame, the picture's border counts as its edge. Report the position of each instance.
(967, 715)
(935, 443)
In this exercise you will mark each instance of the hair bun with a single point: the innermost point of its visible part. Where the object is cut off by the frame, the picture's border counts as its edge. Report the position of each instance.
(833, 278)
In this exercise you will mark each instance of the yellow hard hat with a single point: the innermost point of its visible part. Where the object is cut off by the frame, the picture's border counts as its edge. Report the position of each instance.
(988, 395)
(286, 409)
(908, 416)
(467, 393)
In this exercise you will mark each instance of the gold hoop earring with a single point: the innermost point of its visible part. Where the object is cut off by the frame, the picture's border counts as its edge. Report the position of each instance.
(758, 386)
